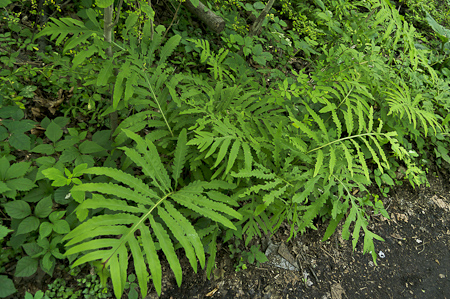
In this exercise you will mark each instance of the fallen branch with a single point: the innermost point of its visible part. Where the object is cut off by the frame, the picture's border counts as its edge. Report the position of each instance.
(213, 21)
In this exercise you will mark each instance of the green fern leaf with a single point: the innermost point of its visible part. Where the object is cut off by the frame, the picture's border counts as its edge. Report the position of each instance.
(127, 179)
(185, 199)
(152, 257)
(349, 120)
(272, 195)
(214, 146)
(300, 125)
(223, 150)
(212, 249)
(319, 162)
(370, 128)
(350, 218)
(338, 124)
(99, 201)
(313, 210)
(318, 120)
(258, 173)
(309, 187)
(219, 196)
(233, 155)
(118, 264)
(247, 156)
(189, 230)
(139, 265)
(113, 189)
(169, 47)
(150, 163)
(177, 231)
(362, 160)
(348, 157)
(167, 248)
(332, 162)
(331, 228)
(180, 156)
(266, 186)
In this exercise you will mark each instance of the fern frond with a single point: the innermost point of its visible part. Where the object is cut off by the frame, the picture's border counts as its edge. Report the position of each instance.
(116, 190)
(400, 102)
(149, 161)
(132, 225)
(180, 156)
(61, 28)
(125, 178)
(168, 48)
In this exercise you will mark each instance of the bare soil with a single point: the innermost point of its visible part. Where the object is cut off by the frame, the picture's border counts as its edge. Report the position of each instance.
(416, 261)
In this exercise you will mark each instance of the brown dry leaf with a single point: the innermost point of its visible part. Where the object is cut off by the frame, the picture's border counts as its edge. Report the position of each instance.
(337, 291)
(284, 252)
(402, 217)
(393, 218)
(440, 203)
(396, 236)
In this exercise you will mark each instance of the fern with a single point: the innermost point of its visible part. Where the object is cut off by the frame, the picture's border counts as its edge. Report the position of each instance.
(401, 102)
(143, 214)
(215, 61)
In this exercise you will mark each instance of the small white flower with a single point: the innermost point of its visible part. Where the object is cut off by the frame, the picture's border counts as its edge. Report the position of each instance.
(381, 254)
(68, 195)
(418, 241)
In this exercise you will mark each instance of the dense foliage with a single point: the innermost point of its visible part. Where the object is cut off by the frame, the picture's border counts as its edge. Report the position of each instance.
(124, 133)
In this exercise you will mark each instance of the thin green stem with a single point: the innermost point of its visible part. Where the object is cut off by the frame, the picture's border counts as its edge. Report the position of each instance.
(346, 138)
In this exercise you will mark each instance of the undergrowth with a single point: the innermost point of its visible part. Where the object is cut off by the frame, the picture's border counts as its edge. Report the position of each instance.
(223, 152)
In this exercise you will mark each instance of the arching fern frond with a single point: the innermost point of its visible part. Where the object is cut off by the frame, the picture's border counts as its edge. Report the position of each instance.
(139, 216)
(401, 103)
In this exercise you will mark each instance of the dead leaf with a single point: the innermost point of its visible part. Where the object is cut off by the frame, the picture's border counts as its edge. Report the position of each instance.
(440, 203)
(337, 291)
(402, 217)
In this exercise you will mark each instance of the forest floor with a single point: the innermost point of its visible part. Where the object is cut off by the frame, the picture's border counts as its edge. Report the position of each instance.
(415, 263)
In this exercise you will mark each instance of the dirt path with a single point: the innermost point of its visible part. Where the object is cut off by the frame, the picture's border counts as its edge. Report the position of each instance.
(416, 261)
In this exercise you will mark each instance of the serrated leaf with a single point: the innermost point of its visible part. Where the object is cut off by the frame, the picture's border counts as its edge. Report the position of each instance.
(44, 149)
(17, 170)
(105, 73)
(152, 257)
(4, 231)
(26, 267)
(18, 209)
(233, 155)
(180, 155)
(223, 150)
(44, 207)
(20, 141)
(331, 228)
(53, 132)
(4, 188)
(27, 225)
(167, 248)
(7, 288)
(178, 233)
(140, 266)
(309, 187)
(89, 147)
(55, 175)
(319, 162)
(45, 229)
